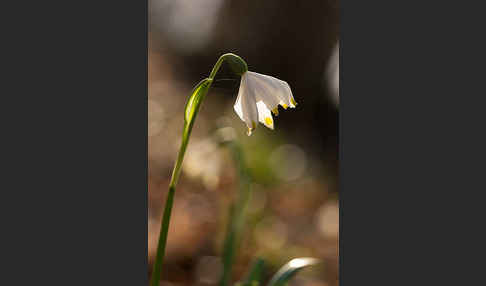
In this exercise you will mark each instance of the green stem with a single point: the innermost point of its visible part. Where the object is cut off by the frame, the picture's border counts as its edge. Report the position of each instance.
(163, 238)
(239, 66)
(164, 229)
(237, 215)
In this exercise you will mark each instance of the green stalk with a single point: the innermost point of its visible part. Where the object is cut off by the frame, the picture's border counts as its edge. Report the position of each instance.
(237, 215)
(190, 114)
(237, 64)
(192, 108)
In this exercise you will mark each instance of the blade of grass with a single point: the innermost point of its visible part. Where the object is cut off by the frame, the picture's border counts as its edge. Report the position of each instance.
(254, 275)
(237, 214)
(290, 269)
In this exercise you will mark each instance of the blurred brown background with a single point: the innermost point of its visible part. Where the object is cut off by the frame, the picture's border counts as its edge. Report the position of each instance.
(293, 211)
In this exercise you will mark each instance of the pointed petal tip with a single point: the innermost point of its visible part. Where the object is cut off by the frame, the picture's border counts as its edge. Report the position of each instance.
(269, 122)
(275, 111)
(250, 129)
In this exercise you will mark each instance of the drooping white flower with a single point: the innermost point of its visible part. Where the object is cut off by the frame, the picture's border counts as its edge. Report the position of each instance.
(259, 96)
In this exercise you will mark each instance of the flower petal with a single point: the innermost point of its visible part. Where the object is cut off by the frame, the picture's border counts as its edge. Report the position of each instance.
(245, 105)
(264, 115)
(288, 94)
(237, 106)
(263, 92)
(273, 87)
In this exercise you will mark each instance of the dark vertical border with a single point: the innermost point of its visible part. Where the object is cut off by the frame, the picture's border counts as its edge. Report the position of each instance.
(408, 214)
(76, 182)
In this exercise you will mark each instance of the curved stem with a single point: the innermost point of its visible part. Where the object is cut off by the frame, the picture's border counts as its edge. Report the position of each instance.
(216, 66)
(221, 59)
(164, 229)
(159, 258)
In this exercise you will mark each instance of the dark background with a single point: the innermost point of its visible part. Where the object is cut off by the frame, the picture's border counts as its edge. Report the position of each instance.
(294, 210)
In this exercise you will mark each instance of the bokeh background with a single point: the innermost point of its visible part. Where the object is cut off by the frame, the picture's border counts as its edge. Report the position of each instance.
(293, 210)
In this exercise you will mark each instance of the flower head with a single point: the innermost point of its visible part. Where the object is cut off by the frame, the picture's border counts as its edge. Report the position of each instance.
(259, 96)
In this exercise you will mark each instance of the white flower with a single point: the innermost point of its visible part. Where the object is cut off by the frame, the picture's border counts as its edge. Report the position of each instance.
(259, 96)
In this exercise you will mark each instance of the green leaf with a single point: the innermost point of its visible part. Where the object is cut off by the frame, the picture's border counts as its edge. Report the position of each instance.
(194, 102)
(290, 269)
(190, 112)
(229, 248)
(255, 274)
(236, 215)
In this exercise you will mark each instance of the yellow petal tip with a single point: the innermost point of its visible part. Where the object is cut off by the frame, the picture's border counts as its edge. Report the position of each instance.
(275, 111)
(250, 129)
(293, 102)
(268, 120)
(285, 106)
